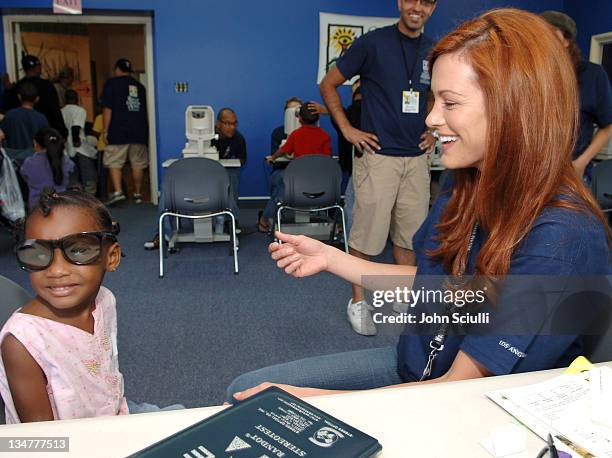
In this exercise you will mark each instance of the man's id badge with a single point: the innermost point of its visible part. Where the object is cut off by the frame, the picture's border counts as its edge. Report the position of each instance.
(410, 102)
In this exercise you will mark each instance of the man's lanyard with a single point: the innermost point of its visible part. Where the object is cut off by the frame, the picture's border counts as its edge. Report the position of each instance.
(437, 343)
(409, 72)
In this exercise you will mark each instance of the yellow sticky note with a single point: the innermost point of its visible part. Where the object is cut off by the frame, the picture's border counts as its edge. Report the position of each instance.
(580, 364)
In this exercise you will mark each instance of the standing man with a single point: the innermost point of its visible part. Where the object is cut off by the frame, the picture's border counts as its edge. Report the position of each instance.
(124, 103)
(595, 97)
(47, 103)
(391, 178)
(231, 145)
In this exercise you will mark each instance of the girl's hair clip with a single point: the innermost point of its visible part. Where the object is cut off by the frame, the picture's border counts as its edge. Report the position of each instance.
(116, 228)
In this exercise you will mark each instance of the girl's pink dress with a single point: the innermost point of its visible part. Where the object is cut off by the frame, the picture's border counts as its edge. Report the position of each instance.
(82, 369)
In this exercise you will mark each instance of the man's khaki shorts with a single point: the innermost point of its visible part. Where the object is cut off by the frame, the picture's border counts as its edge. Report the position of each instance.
(391, 197)
(116, 155)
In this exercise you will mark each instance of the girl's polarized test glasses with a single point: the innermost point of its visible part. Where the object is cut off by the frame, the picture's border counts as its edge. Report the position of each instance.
(80, 249)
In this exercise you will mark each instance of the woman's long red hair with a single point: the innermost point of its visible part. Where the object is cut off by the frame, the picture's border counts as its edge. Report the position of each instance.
(531, 97)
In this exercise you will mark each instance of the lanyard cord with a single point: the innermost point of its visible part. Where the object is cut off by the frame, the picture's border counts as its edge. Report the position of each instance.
(437, 342)
(409, 72)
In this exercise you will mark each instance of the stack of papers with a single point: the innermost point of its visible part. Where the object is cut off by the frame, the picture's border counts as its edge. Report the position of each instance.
(575, 408)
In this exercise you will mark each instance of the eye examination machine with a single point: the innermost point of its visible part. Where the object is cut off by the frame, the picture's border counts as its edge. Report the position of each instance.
(200, 132)
(291, 120)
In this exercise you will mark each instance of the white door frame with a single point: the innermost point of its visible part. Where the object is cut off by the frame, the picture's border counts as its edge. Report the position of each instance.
(597, 42)
(9, 40)
(595, 56)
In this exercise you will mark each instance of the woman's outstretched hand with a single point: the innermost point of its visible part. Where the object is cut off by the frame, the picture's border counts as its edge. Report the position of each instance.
(299, 255)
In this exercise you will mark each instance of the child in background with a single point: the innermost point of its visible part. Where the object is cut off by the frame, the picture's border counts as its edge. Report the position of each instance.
(77, 147)
(59, 351)
(49, 167)
(21, 124)
(307, 139)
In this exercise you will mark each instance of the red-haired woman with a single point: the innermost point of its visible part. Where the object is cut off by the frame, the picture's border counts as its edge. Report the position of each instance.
(506, 112)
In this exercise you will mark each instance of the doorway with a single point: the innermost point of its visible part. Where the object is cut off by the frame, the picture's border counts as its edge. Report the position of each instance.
(90, 45)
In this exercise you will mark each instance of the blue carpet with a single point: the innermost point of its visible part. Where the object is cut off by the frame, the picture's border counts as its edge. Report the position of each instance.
(183, 338)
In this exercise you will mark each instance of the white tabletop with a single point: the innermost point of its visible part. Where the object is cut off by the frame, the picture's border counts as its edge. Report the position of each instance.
(436, 420)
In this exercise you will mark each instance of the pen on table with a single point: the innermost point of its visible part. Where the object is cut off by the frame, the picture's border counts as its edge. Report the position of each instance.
(579, 450)
(551, 447)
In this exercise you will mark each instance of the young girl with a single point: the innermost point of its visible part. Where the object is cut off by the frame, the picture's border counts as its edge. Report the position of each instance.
(59, 351)
(49, 167)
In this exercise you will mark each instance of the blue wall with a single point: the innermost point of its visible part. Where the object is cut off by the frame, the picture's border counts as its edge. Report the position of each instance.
(450, 13)
(252, 56)
(592, 18)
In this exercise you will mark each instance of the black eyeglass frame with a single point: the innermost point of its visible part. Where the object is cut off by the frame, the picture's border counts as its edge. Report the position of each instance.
(59, 243)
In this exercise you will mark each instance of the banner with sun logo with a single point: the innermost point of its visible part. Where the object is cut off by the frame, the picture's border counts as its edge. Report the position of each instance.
(337, 32)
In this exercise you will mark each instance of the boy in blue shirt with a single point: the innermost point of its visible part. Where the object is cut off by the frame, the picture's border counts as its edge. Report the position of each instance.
(21, 124)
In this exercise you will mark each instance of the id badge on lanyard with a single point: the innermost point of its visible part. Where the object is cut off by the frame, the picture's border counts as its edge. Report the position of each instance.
(410, 98)
(410, 101)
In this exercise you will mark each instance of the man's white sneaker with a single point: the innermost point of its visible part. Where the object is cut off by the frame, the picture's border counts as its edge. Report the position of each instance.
(360, 316)
(114, 198)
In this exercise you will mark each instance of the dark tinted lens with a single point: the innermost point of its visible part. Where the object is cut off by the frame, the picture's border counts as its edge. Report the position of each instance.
(33, 254)
(82, 248)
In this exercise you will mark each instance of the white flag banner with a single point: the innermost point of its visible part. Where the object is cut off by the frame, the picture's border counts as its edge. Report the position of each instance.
(337, 32)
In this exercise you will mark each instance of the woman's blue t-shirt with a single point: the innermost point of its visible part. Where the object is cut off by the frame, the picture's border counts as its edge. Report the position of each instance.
(561, 243)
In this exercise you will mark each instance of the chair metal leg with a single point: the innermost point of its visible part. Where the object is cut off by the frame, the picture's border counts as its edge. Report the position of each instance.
(278, 217)
(233, 236)
(339, 207)
(234, 245)
(344, 234)
(160, 230)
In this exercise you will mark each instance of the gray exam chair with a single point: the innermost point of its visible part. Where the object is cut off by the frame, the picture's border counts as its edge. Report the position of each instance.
(602, 184)
(312, 184)
(599, 348)
(12, 296)
(196, 188)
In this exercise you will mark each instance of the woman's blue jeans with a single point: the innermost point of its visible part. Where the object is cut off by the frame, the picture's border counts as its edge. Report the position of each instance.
(277, 190)
(353, 370)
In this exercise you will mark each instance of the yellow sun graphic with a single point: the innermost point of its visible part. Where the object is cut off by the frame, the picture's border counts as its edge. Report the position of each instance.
(343, 38)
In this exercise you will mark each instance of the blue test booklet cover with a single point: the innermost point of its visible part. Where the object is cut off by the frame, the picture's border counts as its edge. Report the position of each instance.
(271, 424)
